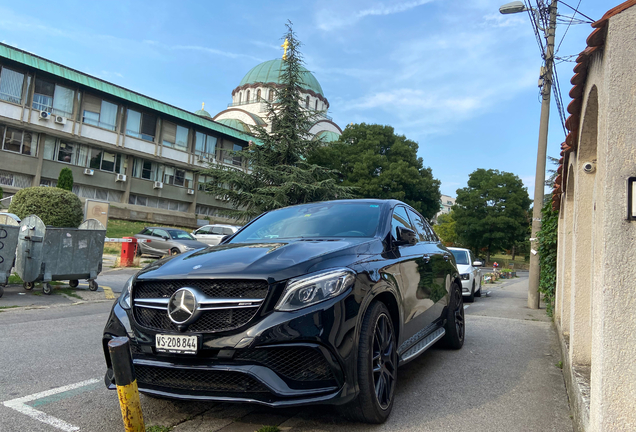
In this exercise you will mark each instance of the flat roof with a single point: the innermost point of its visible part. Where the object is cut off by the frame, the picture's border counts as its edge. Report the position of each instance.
(40, 63)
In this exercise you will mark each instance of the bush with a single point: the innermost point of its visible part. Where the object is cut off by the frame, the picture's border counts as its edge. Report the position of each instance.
(1, 193)
(65, 180)
(56, 207)
(548, 254)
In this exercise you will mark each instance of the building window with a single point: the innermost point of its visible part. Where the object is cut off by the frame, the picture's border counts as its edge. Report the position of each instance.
(178, 177)
(11, 86)
(316, 108)
(65, 152)
(105, 161)
(247, 98)
(141, 125)
(307, 102)
(270, 95)
(19, 141)
(158, 203)
(240, 97)
(98, 112)
(258, 94)
(175, 136)
(204, 144)
(50, 97)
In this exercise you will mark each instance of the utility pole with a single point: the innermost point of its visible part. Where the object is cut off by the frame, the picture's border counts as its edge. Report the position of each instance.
(539, 182)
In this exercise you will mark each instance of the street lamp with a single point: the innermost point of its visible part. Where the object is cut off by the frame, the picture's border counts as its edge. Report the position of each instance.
(539, 180)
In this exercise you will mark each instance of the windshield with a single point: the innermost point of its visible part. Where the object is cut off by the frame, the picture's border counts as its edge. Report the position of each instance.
(180, 235)
(461, 257)
(315, 221)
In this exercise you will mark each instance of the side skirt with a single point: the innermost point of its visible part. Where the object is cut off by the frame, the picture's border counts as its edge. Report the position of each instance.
(422, 345)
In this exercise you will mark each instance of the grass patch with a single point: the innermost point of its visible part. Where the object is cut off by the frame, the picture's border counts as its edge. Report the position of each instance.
(15, 279)
(504, 261)
(8, 307)
(559, 365)
(269, 429)
(122, 228)
(157, 428)
(112, 248)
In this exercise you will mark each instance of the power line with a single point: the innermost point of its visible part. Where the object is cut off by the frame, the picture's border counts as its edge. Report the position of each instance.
(567, 28)
(576, 10)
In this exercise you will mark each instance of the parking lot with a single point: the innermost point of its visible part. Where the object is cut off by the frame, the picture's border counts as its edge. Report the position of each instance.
(505, 378)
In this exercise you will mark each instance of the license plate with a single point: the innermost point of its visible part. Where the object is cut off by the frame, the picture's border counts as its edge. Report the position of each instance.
(176, 344)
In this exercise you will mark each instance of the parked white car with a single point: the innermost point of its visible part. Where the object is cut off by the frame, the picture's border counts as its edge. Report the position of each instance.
(212, 234)
(470, 272)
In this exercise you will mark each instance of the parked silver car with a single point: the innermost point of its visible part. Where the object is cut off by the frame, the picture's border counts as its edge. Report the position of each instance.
(212, 234)
(166, 241)
(470, 272)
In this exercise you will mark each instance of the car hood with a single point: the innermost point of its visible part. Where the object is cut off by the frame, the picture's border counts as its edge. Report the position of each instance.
(274, 261)
(191, 243)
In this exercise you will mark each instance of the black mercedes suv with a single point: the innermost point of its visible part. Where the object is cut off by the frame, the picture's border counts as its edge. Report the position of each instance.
(310, 304)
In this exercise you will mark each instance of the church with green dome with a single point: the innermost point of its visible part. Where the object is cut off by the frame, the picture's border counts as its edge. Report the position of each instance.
(248, 107)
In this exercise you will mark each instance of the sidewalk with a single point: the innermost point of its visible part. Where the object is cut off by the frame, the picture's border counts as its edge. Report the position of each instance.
(505, 378)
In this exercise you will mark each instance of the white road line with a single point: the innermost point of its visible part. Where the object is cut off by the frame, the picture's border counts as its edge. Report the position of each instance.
(20, 405)
(466, 306)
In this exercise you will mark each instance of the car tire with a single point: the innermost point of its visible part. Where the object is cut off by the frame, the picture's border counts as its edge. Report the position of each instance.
(174, 251)
(455, 323)
(377, 367)
(471, 297)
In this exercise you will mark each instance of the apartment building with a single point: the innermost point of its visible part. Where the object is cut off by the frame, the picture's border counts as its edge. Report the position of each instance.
(139, 154)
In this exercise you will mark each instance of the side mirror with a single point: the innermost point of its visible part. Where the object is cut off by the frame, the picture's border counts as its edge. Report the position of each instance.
(405, 236)
(478, 264)
(166, 237)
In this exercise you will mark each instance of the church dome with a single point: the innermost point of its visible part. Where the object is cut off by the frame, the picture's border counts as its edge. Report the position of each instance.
(202, 112)
(270, 72)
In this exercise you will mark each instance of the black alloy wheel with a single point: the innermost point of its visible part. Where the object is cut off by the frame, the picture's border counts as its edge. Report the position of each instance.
(455, 323)
(384, 361)
(377, 367)
(174, 251)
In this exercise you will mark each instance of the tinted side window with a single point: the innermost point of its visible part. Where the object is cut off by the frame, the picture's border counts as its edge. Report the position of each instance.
(146, 231)
(420, 226)
(217, 230)
(399, 219)
(227, 231)
(204, 230)
(159, 233)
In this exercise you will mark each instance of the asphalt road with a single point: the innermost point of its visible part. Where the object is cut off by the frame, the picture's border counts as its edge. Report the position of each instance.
(504, 379)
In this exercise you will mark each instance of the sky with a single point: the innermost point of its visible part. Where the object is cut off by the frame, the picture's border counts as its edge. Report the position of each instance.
(455, 76)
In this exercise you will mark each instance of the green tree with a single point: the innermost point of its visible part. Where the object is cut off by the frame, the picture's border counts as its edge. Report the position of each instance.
(491, 213)
(445, 229)
(276, 173)
(65, 180)
(548, 254)
(56, 207)
(381, 164)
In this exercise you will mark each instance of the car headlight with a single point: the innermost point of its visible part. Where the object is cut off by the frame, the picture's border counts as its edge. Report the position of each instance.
(124, 298)
(188, 248)
(314, 288)
(465, 276)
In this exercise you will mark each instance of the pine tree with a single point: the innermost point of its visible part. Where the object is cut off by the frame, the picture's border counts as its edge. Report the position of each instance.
(276, 173)
(65, 180)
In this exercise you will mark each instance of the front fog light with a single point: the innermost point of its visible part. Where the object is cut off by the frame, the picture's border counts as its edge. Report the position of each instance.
(314, 288)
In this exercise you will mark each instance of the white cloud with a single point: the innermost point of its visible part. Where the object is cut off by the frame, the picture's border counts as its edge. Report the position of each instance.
(342, 14)
(203, 49)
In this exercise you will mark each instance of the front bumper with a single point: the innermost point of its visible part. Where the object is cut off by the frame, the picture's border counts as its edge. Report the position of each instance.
(279, 359)
(467, 286)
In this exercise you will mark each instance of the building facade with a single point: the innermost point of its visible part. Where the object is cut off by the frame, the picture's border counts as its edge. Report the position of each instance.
(446, 203)
(139, 154)
(595, 298)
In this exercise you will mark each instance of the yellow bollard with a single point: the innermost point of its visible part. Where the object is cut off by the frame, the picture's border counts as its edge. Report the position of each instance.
(126, 384)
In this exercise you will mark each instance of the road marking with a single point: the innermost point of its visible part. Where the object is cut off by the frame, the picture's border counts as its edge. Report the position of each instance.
(20, 405)
(466, 306)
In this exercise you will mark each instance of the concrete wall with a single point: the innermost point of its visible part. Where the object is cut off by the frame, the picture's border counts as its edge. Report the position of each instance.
(596, 270)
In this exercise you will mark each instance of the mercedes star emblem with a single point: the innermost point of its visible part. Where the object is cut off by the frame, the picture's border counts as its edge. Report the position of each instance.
(181, 306)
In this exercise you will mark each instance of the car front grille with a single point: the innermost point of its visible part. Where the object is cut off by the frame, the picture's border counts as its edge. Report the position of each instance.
(224, 288)
(208, 320)
(295, 363)
(198, 380)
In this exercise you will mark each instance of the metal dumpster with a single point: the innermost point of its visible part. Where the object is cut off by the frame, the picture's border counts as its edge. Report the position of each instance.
(45, 253)
(8, 241)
